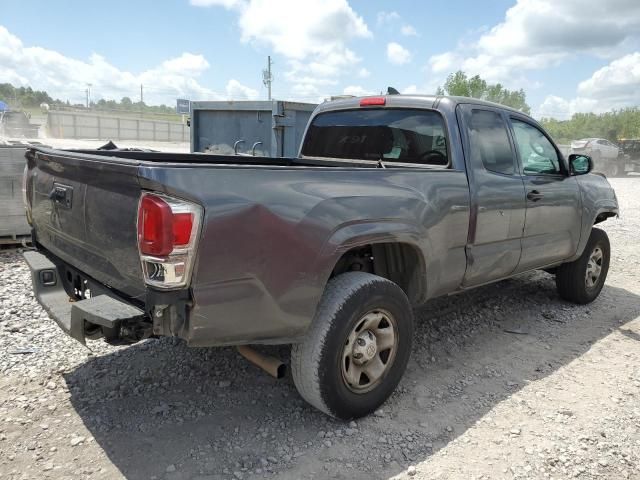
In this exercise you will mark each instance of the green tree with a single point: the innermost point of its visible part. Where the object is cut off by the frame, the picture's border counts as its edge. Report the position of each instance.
(126, 103)
(24, 97)
(460, 84)
(615, 125)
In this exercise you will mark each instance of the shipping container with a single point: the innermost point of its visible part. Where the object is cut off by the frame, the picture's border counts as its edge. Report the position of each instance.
(263, 128)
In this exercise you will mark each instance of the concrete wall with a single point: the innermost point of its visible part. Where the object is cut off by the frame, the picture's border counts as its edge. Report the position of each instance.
(88, 125)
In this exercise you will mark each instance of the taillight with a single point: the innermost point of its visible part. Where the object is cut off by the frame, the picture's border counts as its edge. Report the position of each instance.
(373, 101)
(182, 227)
(155, 226)
(167, 234)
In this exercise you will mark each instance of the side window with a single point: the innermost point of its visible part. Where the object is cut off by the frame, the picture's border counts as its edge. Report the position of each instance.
(489, 140)
(536, 151)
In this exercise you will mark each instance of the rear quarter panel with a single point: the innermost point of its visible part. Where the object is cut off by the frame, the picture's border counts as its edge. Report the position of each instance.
(272, 236)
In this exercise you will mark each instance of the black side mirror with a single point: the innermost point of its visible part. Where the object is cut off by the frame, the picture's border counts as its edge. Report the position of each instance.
(580, 164)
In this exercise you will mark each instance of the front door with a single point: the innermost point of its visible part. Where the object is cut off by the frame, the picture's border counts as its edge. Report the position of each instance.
(553, 219)
(497, 196)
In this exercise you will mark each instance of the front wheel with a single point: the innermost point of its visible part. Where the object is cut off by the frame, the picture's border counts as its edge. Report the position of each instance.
(582, 280)
(357, 347)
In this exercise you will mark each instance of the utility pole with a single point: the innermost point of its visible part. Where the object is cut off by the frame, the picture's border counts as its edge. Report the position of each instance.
(141, 99)
(88, 95)
(267, 78)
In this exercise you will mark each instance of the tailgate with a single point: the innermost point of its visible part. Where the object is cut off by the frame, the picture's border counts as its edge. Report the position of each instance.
(83, 210)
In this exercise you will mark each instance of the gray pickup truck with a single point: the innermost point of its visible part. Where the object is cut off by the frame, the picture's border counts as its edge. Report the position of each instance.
(393, 200)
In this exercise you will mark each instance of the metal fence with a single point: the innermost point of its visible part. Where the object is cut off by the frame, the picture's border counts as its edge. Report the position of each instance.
(103, 127)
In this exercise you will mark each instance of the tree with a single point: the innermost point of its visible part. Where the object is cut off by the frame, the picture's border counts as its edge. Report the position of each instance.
(21, 97)
(460, 84)
(613, 125)
(126, 103)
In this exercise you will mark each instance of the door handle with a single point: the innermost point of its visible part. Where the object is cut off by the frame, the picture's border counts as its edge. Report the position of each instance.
(535, 195)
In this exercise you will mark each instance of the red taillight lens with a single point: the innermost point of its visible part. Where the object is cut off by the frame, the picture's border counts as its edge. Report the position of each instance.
(155, 226)
(372, 101)
(182, 226)
(167, 238)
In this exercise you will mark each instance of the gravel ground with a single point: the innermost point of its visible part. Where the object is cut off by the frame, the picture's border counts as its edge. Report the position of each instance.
(507, 381)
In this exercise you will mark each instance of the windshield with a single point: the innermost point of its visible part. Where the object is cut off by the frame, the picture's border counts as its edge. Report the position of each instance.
(391, 135)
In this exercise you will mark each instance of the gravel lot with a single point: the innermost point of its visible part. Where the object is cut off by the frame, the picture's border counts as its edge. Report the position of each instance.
(507, 381)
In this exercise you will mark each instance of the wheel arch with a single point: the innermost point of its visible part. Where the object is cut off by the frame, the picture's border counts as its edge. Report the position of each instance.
(398, 261)
(603, 213)
(594, 217)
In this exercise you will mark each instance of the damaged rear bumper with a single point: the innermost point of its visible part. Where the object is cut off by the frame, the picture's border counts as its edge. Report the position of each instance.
(75, 318)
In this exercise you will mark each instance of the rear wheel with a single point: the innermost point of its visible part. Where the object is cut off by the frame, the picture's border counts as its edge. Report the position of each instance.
(582, 280)
(357, 347)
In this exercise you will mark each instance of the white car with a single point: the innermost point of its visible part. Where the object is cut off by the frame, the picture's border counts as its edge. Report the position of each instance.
(604, 154)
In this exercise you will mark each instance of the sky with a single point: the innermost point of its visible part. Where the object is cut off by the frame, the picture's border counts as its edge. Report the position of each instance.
(569, 56)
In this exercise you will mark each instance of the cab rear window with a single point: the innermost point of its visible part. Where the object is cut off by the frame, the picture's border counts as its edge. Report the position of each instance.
(390, 135)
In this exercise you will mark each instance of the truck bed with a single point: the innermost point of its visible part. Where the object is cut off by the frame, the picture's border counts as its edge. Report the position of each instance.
(272, 229)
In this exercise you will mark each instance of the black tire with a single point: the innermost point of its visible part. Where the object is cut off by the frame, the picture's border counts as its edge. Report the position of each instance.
(317, 362)
(571, 278)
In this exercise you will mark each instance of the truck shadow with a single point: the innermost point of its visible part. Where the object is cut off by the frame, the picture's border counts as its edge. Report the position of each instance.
(160, 409)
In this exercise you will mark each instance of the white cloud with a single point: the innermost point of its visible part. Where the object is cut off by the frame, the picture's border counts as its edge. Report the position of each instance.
(387, 17)
(187, 63)
(562, 109)
(618, 81)
(305, 90)
(410, 90)
(298, 30)
(443, 62)
(614, 86)
(364, 73)
(238, 91)
(408, 31)
(312, 36)
(537, 34)
(67, 78)
(357, 91)
(397, 54)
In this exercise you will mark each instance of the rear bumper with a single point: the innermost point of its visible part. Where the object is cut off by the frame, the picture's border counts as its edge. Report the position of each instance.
(73, 316)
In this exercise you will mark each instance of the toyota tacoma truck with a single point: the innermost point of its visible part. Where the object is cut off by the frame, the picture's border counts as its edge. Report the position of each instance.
(392, 201)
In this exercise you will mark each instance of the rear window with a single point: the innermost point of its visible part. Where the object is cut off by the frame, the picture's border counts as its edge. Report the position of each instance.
(390, 135)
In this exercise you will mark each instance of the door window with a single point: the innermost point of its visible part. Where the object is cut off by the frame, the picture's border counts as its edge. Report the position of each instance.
(489, 139)
(538, 155)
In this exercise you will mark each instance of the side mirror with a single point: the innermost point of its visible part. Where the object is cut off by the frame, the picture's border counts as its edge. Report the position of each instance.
(580, 164)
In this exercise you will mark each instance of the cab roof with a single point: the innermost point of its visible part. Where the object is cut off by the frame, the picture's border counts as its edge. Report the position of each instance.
(409, 101)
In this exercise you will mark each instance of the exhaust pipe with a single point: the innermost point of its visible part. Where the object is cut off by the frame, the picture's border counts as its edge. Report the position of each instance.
(269, 364)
